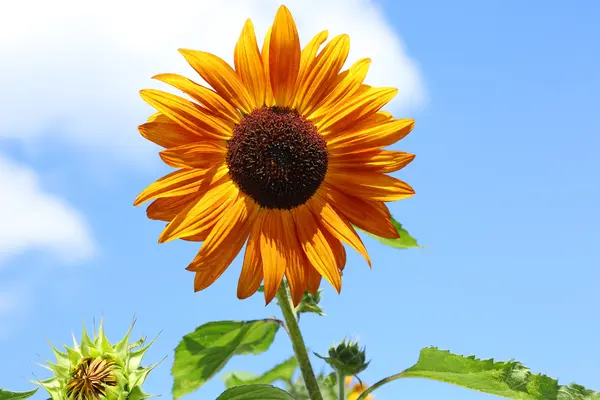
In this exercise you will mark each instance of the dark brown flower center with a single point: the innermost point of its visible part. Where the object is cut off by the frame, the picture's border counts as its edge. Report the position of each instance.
(277, 157)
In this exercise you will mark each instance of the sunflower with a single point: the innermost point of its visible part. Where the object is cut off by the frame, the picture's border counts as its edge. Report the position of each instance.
(356, 390)
(283, 154)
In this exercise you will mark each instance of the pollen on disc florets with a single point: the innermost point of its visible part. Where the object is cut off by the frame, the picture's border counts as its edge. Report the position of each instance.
(277, 157)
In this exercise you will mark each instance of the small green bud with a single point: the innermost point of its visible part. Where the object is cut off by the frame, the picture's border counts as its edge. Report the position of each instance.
(310, 303)
(94, 369)
(347, 358)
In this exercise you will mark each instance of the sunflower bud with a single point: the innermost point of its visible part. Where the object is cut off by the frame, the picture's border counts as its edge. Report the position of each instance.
(95, 369)
(310, 303)
(347, 358)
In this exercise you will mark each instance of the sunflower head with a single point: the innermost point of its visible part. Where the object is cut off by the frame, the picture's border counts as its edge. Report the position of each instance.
(284, 152)
(94, 369)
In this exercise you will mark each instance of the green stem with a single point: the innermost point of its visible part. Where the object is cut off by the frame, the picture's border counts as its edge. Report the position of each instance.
(289, 315)
(378, 384)
(341, 386)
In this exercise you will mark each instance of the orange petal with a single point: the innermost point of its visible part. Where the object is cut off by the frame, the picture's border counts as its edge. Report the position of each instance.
(339, 252)
(167, 208)
(214, 103)
(221, 77)
(205, 154)
(375, 161)
(315, 246)
(201, 215)
(273, 250)
(223, 243)
(360, 105)
(307, 57)
(284, 57)
(370, 185)
(181, 182)
(313, 280)
(167, 134)
(269, 99)
(337, 226)
(248, 64)
(346, 87)
(369, 216)
(187, 114)
(322, 70)
(252, 269)
(366, 138)
(295, 271)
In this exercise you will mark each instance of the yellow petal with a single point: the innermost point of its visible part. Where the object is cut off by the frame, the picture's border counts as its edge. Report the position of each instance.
(322, 70)
(307, 57)
(214, 103)
(370, 185)
(375, 161)
(252, 269)
(187, 114)
(370, 216)
(370, 137)
(167, 208)
(202, 214)
(316, 247)
(340, 228)
(361, 105)
(223, 244)
(202, 155)
(248, 64)
(269, 99)
(345, 88)
(221, 77)
(181, 182)
(273, 250)
(167, 134)
(284, 57)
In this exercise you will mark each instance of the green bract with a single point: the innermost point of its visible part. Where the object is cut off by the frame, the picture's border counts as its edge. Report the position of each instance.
(347, 358)
(95, 369)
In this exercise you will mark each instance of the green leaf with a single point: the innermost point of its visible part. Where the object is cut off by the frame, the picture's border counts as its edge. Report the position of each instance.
(204, 352)
(405, 241)
(507, 379)
(255, 392)
(283, 371)
(6, 395)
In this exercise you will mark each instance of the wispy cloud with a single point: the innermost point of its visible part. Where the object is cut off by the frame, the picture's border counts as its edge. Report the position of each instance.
(31, 218)
(79, 65)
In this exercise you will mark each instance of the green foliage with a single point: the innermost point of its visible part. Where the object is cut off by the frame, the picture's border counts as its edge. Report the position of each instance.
(255, 392)
(405, 241)
(507, 379)
(298, 389)
(283, 371)
(6, 395)
(204, 352)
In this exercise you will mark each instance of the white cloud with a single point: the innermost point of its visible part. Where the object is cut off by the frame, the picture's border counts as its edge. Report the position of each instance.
(33, 219)
(79, 65)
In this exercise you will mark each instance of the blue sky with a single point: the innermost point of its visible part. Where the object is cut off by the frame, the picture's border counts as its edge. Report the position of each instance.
(506, 171)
